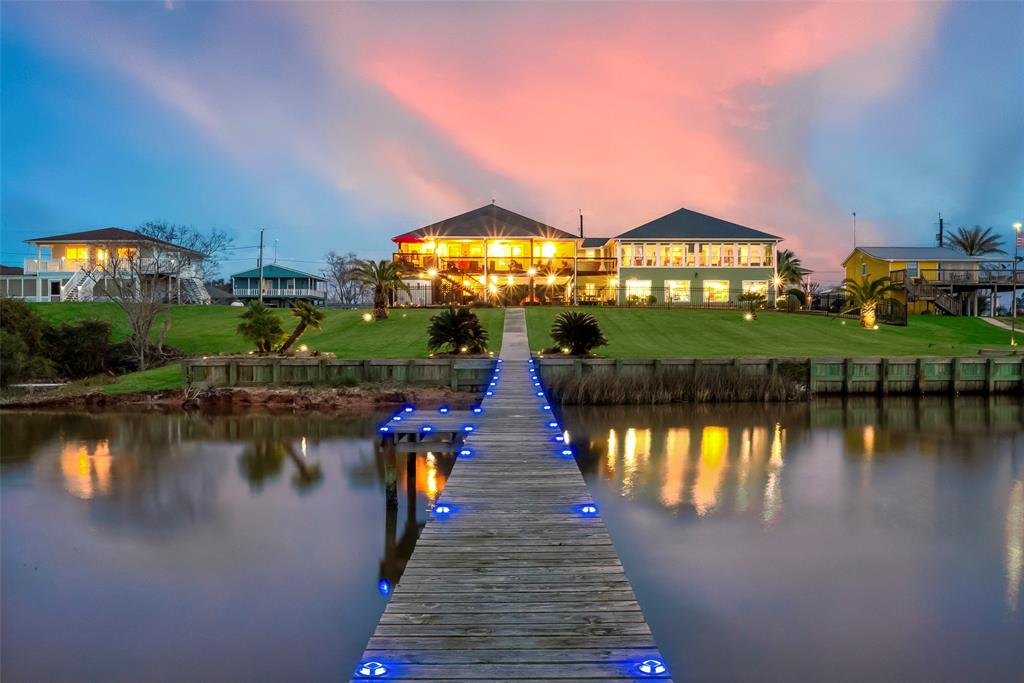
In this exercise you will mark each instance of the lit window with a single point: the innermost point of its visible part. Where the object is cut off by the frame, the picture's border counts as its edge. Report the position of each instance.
(547, 250)
(676, 252)
(756, 287)
(79, 253)
(125, 252)
(728, 255)
(637, 291)
(716, 255)
(678, 291)
(716, 291)
(691, 255)
(744, 255)
(755, 254)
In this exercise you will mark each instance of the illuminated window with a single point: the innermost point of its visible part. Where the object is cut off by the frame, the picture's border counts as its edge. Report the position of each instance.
(677, 291)
(651, 252)
(716, 255)
(101, 255)
(705, 255)
(716, 291)
(756, 287)
(744, 255)
(769, 250)
(728, 255)
(691, 255)
(80, 253)
(676, 252)
(590, 289)
(755, 254)
(125, 252)
(638, 290)
(547, 250)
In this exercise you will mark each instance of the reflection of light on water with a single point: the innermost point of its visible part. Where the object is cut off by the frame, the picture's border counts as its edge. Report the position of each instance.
(86, 469)
(635, 447)
(772, 488)
(1014, 545)
(431, 477)
(869, 440)
(742, 495)
(677, 452)
(714, 445)
(613, 452)
(303, 447)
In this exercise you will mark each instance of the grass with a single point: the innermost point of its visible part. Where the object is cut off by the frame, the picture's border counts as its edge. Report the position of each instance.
(665, 333)
(210, 330)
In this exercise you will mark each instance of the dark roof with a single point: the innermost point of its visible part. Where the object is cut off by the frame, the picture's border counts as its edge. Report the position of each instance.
(686, 224)
(921, 254)
(487, 221)
(218, 293)
(12, 270)
(105, 235)
(274, 270)
(595, 242)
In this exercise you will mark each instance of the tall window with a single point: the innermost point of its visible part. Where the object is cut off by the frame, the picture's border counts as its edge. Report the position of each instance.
(768, 251)
(716, 291)
(677, 291)
(637, 291)
(691, 254)
(755, 254)
(676, 252)
(913, 270)
(729, 255)
(716, 255)
(651, 252)
(756, 287)
(744, 254)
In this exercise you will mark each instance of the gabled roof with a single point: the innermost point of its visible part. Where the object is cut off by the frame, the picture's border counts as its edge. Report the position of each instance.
(105, 236)
(12, 270)
(686, 224)
(595, 242)
(274, 270)
(490, 221)
(919, 254)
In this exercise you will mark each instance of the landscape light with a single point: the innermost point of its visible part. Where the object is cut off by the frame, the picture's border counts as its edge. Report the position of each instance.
(432, 272)
(384, 587)
(464, 349)
(652, 667)
(426, 428)
(443, 410)
(367, 317)
(442, 509)
(748, 316)
(466, 452)
(545, 407)
(372, 669)
(588, 509)
(303, 348)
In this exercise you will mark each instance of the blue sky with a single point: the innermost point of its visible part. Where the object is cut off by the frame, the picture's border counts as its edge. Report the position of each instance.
(336, 126)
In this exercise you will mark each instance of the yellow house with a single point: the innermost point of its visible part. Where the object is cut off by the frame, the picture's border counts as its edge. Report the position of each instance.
(929, 279)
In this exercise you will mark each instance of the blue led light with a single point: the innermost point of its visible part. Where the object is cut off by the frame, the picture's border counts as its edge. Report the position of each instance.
(440, 509)
(443, 410)
(489, 393)
(426, 428)
(467, 428)
(396, 418)
(384, 429)
(588, 509)
(371, 669)
(545, 407)
(540, 393)
(466, 452)
(384, 587)
(478, 410)
(652, 667)
(553, 424)
(566, 451)
(536, 384)
(493, 383)
(500, 360)
(407, 409)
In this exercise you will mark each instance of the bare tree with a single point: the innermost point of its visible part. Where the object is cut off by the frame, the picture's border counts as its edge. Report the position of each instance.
(210, 244)
(341, 286)
(143, 278)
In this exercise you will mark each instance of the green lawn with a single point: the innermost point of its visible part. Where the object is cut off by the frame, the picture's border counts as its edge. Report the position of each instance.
(209, 330)
(664, 333)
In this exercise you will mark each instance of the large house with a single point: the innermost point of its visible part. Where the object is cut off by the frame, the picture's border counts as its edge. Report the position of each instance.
(493, 254)
(933, 279)
(281, 286)
(80, 266)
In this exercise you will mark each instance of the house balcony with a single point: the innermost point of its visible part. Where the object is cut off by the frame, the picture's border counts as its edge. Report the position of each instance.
(33, 265)
(476, 265)
(966, 278)
(280, 292)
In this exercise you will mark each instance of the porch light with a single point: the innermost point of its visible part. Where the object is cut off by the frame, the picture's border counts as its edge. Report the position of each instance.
(532, 272)
(652, 667)
(547, 250)
(432, 272)
(748, 316)
(551, 279)
(367, 317)
(509, 279)
(492, 288)
(371, 669)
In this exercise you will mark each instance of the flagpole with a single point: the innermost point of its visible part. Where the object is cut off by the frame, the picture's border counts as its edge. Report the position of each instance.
(1013, 300)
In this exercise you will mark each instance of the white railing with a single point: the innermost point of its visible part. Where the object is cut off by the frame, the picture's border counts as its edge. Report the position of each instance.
(70, 265)
(254, 291)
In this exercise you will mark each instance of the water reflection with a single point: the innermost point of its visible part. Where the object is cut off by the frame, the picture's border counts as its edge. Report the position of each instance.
(190, 525)
(780, 543)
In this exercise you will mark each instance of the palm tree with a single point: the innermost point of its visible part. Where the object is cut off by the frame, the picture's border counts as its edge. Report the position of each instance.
(261, 326)
(865, 294)
(458, 328)
(309, 316)
(977, 241)
(385, 278)
(577, 333)
(789, 268)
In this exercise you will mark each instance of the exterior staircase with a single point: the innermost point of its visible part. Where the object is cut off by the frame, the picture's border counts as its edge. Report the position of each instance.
(918, 290)
(193, 291)
(78, 288)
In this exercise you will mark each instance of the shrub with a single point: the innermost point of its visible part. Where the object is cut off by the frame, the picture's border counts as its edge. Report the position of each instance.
(459, 329)
(577, 331)
(80, 348)
(19, 319)
(17, 363)
(261, 327)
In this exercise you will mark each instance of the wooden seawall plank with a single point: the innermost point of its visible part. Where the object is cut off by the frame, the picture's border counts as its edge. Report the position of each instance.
(517, 581)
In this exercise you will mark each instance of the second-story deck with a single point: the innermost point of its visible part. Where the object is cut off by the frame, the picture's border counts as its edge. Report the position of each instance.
(997, 275)
(475, 265)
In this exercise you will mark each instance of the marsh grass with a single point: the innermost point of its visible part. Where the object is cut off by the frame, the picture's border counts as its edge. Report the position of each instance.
(700, 385)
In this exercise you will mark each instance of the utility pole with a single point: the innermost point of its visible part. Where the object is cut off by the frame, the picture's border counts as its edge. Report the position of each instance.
(261, 265)
(275, 250)
(854, 229)
(1013, 297)
(942, 231)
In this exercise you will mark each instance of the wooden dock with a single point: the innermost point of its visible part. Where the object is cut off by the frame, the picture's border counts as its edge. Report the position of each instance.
(514, 576)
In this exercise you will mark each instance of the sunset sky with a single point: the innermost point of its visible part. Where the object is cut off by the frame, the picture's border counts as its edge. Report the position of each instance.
(336, 126)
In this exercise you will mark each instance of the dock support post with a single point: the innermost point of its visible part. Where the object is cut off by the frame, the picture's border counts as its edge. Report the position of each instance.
(847, 375)
(954, 376)
(920, 375)
(883, 376)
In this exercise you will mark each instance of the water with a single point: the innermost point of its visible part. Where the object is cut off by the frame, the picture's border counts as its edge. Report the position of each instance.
(831, 541)
(174, 547)
(855, 542)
